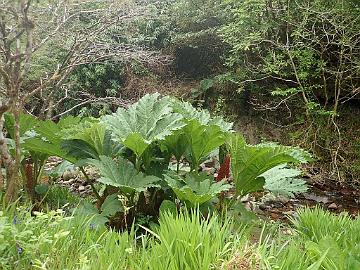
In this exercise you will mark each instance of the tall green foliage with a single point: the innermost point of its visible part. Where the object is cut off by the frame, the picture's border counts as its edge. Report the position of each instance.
(132, 151)
(123, 175)
(249, 163)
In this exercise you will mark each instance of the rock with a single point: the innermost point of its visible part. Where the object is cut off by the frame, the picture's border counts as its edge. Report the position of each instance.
(81, 188)
(67, 175)
(68, 182)
(333, 206)
(209, 171)
(274, 216)
(283, 199)
(288, 232)
(316, 198)
(247, 206)
(263, 207)
(245, 198)
(290, 213)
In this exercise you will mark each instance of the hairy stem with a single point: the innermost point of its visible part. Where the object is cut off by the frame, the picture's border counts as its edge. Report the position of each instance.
(97, 195)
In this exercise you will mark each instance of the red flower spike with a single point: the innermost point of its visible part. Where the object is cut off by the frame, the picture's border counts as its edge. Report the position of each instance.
(224, 171)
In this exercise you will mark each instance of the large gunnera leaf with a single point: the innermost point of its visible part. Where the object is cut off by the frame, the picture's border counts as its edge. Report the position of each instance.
(248, 162)
(94, 134)
(88, 140)
(202, 140)
(47, 140)
(123, 175)
(195, 141)
(189, 112)
(281, 180)
(150, 119)
(196, 188)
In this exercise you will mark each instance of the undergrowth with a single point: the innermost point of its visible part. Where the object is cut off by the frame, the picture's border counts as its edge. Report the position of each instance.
(53, 240)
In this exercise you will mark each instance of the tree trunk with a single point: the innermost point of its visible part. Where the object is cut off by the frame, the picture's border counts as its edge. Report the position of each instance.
(12, 165)
(11, 189)
(1, 177)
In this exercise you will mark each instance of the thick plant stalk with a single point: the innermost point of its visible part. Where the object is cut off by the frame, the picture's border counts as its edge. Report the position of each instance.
(17, 157)
(29, 178)
(96, 193)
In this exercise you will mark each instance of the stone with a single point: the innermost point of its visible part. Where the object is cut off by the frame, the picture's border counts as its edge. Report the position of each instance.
(263, 207)
(333, 206)
(290, 213)
(316, 198)
(283, 199)
(81, 188)
(67, 175)
(68, 182)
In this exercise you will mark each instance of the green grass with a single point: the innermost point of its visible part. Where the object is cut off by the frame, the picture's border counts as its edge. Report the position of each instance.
(320, 240)
(53, 241)
(190, 242)
(317, 240)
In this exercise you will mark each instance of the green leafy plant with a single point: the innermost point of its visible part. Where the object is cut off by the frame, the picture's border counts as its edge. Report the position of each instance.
(39, 140)
(189, 112)
(196, 188)
(49, 136)
(201, 135)
(121, 177)
(89, 139)
(149, 120)
(99, 217)
(202, 140)
(72, 139)
(282, 180)
(249, 163)
(122, 174)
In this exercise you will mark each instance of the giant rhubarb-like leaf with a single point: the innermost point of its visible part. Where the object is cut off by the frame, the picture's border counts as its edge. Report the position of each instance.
(122, 174)
(248, 163)
(196, 188)
(202, 140)
(150, 119)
